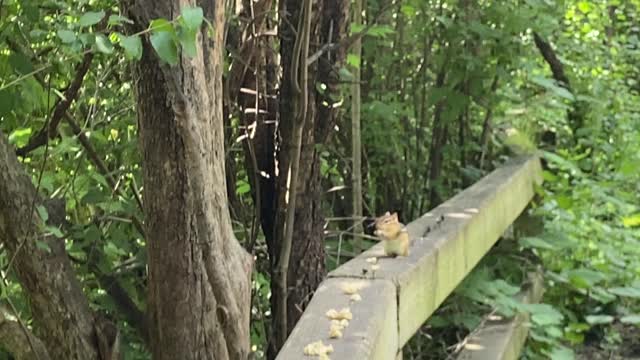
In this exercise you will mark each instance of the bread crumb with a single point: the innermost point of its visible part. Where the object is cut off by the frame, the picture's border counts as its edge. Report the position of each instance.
(351, 287)
(345, 313)
(318, 348)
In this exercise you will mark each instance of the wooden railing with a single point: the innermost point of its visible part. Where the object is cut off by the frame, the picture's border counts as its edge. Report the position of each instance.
(388, 301)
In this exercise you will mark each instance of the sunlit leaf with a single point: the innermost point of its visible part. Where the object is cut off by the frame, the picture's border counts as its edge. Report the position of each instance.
(631, 221)
(161, 25)
(242, 187)
(353, 60)
(20, 137)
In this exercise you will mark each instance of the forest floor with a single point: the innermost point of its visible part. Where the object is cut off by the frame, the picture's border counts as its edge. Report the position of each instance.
(628, 349)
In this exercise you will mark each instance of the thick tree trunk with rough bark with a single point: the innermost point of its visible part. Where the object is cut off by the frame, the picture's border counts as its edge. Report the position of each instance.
(199, 275)
(60, 310)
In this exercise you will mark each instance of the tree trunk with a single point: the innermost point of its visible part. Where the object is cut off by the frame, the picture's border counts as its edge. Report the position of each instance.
(575, 116)
(356, 143)
(438, 140)
(199, 275)
(62, 318)
(307, 263)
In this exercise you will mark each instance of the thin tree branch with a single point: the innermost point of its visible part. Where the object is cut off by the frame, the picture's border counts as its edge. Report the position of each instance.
(48, 132)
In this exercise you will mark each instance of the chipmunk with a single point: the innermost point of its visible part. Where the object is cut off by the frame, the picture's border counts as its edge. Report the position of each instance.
(393, 234)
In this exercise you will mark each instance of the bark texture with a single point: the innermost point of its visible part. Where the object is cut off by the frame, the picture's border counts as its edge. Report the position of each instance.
(576, 115)
(199, 275)
(356, 137)
(23, 345)
(306, 266)
(61, 314)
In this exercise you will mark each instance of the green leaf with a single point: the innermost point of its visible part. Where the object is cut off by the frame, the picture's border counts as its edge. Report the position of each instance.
(7, 100)
(242, 187)
(164, 44)
(561, 162)
(103, 44)
(20, 137)
(161, 25)
(87, 39)
(91, 18)
(380, 30)
(408, 10)
(43, 246)
(599, 319)
(192, 17)
(353, 60)
(20, 63)
(562, 353)
(584, 6)
(356, 28)
(42, 211)
(631, 221)
(118, 20)
(585, 278)
(535, 242)
(93, 196)
(543, 314)
(345, 74)
(55, 231)
(132, 46)
(631, 319)
(67, 36)
(552, 86)
(626, 291)
(187, 40)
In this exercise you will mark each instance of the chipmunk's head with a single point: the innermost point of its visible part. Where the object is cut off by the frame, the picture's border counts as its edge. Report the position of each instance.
(387, 225)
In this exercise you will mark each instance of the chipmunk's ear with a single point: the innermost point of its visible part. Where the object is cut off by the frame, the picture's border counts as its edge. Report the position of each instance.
(387, 214)
(394, 216)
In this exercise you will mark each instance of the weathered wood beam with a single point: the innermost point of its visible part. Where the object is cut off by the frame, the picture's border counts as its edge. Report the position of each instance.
(502, 339)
